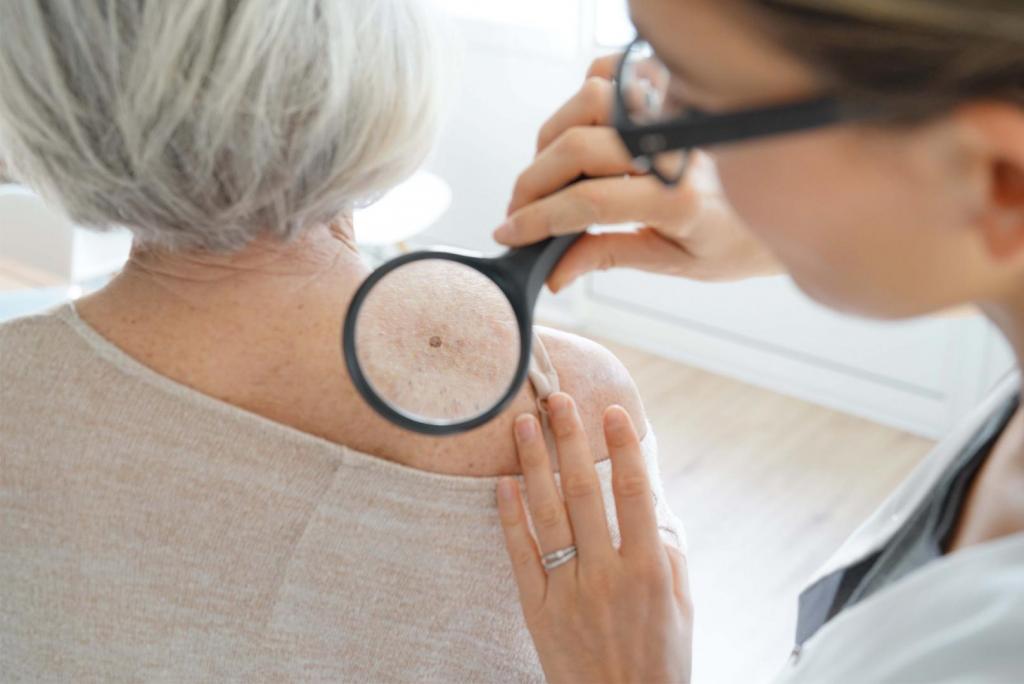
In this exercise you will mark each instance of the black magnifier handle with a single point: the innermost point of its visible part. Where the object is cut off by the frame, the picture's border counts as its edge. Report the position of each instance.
(533, 264)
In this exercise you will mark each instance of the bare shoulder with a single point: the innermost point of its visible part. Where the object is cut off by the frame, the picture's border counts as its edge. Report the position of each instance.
(596, 379)
(587, 371)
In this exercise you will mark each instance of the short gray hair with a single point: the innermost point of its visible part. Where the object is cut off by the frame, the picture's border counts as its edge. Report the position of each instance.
(201, 124)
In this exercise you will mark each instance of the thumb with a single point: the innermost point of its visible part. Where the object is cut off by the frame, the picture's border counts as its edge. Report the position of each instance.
(645, 249)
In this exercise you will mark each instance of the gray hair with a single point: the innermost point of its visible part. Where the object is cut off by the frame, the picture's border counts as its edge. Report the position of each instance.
(201, 124)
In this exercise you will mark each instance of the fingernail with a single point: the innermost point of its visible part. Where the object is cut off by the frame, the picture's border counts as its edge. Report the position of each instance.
(506, 488)
(617, 418)
(504, 231)
(526, 428)
(559, 404)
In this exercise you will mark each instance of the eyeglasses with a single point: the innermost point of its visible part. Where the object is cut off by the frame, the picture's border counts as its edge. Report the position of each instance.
(661, 133)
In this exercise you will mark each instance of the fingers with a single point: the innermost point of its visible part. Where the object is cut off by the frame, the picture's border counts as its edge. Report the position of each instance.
(605, 67)
(522, 551)
(645, 249)
(591, 106)
(580, 484)
(580, 151)
(602, 200)
(634, 503)
(545, 504)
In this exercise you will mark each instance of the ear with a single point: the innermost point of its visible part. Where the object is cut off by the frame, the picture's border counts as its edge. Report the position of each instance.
(997, 129)
(1002, 225)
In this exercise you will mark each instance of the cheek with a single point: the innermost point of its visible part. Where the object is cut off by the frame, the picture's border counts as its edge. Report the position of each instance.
(857, 224)
(804, 203)
(771, 189)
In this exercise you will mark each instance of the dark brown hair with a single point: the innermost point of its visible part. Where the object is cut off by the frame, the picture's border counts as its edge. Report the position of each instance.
(915, 58)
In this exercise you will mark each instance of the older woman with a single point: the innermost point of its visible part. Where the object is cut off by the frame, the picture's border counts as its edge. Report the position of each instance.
(192, 488)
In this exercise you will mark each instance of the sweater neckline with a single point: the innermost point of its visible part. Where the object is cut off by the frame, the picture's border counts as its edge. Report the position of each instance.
(129, 366)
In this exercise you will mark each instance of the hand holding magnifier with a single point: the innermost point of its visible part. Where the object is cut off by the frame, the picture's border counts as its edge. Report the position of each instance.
(430, 373)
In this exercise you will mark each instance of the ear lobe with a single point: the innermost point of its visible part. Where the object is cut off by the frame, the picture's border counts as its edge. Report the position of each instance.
(1002, 223)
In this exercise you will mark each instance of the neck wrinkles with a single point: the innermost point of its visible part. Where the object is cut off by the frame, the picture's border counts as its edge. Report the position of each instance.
(264, 272)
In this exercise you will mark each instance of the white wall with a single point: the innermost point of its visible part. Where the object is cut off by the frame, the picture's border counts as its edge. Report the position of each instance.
(40, 238)
(919, 376)
(515, 72)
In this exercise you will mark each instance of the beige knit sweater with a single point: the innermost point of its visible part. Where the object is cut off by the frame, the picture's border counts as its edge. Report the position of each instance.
(151, 533)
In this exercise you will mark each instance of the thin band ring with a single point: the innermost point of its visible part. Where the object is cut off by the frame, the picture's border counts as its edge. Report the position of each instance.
(556, 558)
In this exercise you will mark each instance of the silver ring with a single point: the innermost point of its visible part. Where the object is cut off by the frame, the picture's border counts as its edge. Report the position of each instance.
(560, 557)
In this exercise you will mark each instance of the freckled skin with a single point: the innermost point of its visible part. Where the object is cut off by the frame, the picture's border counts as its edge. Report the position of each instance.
(470, 354)
(218, 347)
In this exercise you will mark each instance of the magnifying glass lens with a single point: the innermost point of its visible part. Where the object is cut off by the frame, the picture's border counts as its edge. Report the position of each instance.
(437, 341)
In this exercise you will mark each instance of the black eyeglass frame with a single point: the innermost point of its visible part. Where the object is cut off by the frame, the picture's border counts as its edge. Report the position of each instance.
(519, 273)
(698, 129)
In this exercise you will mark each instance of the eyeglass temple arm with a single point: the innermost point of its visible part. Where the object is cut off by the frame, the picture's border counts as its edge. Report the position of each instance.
(706, 130)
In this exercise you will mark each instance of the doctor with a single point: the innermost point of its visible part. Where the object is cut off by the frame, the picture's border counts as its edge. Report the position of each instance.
(875, 150)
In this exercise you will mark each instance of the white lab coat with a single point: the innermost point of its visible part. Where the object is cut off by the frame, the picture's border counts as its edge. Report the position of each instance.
(959, 618)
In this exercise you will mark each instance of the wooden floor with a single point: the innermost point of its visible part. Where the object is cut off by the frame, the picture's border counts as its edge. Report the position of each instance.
(767, 487)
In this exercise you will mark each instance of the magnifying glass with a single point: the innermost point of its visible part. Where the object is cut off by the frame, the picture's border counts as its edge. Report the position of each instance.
(459, 350)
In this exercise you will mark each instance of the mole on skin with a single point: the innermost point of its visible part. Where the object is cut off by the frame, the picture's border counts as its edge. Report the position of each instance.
(435, 341)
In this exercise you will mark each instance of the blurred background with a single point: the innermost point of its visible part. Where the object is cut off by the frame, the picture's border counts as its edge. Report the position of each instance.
(781, 425)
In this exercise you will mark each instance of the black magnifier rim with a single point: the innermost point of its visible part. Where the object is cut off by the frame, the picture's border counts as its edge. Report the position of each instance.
(486, 267)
